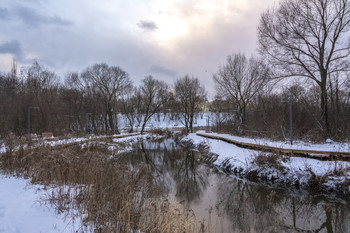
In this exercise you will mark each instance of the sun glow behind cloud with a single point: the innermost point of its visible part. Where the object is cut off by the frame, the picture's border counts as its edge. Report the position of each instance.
(180, 20)
(170, 28)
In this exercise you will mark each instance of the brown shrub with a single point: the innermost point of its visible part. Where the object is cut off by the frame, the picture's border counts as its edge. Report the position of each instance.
(270, 160)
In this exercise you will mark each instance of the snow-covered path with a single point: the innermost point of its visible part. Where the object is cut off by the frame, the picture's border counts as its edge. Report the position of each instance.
(297, 145)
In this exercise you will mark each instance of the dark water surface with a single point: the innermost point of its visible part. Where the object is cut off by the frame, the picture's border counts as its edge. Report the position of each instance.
(223, 203)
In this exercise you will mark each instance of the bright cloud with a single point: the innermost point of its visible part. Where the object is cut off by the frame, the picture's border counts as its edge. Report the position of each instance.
(177, 37)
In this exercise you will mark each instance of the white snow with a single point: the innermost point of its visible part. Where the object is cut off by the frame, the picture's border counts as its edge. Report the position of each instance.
(329, 145)
(297, 168)
(162, 121)
(20, 211)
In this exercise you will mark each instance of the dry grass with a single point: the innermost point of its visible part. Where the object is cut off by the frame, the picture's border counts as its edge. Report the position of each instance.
(270, 160)
(162, 216)
(317, 182)
(105, 193)
(159, 132)
(339, 170)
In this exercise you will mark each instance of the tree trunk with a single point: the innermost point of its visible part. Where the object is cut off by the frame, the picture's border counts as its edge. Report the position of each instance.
(191, 123)
(110, 120)
(116, 128)
(143, 127)
(324, 104)
(131, 123)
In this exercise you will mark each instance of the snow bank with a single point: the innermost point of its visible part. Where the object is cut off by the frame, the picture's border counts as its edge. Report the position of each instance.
(303, 172)
(20, 211)
(297, 145)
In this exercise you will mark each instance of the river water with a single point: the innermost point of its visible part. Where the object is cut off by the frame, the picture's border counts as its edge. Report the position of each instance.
(223, 203)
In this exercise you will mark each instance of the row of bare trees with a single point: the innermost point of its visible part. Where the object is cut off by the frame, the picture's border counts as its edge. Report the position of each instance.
(90, 101)
(306, 46)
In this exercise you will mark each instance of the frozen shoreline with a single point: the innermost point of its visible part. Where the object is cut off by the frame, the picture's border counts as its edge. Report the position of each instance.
(309, 174)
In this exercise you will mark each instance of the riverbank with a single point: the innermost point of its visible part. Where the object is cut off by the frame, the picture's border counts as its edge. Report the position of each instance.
(298, 172)
(173, 183)
(86, 186)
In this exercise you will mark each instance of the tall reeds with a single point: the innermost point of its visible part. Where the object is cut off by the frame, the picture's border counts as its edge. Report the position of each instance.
(104, 193)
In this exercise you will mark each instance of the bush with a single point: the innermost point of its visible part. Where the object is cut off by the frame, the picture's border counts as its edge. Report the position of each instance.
(269, 160)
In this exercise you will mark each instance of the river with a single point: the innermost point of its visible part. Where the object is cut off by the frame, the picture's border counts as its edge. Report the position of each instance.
(101, 190)
(224, 203)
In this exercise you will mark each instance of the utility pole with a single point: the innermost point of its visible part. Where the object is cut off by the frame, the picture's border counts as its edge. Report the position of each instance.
(88, 127)
(290, 120)
(208, 129)
(290, 103)
(28, 118)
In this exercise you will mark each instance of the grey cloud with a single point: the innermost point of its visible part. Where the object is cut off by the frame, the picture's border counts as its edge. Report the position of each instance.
(32, 18)
(4, 14)
(147, 25)
(12, 47)
(163, 70)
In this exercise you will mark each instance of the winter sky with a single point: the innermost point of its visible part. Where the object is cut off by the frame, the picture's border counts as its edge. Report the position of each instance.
(163, 38)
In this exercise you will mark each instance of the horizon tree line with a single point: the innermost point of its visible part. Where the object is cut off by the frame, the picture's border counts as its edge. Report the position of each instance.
(90, 101)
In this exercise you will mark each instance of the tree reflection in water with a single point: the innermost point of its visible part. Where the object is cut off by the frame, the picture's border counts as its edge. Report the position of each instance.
(239, 206)
(256, 208)
(178, 172)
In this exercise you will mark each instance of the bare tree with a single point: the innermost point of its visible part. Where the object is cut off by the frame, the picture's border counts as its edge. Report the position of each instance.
(154, 95)
(130, 107)
(191, 95)
(307, 38)
(110, 81)
(41, 90)
(74, 97)
(240, 80)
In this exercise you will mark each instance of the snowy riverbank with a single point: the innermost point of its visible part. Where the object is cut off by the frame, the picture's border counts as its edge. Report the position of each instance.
(310, 174)
(21, 212)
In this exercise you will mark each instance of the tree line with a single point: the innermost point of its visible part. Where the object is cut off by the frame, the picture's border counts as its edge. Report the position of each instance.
(90, 101)
(305, 44)
(303, 60)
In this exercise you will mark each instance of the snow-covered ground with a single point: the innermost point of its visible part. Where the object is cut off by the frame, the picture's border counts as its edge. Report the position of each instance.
(298, 145)
(165, 121)
(297, 170)
(20, 211)
(16, 194)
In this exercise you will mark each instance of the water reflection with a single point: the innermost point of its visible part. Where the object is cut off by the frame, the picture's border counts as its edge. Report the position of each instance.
(226, 204)
(254, 208)
(179, 172)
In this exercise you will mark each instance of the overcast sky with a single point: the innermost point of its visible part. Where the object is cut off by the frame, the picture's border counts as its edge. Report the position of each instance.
(163, 38)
